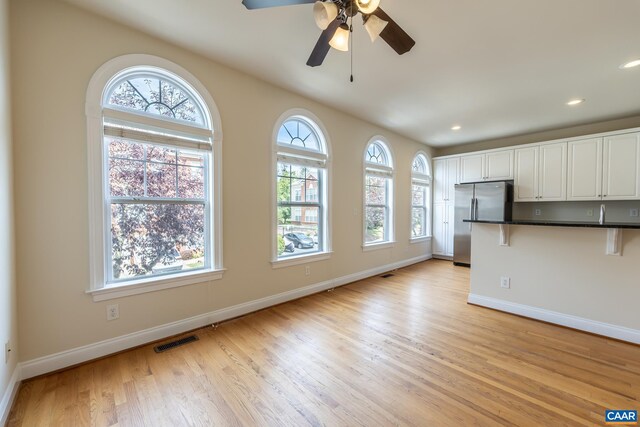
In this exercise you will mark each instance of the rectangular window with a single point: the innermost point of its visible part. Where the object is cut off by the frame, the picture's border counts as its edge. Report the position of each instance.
(376, 209)
(299, 209)
(159, 209)
(419, 195)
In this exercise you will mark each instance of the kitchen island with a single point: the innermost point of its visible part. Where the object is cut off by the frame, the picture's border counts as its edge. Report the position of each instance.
(577, 274)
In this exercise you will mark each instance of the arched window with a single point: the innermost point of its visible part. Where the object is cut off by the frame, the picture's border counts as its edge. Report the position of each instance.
(301, 186)
(154, 155)
(378, 193)
(420, 196)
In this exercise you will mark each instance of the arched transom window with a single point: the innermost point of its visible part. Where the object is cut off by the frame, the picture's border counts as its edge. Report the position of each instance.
(420, 196)
(155, 219)
(378, 194)
(301, 189)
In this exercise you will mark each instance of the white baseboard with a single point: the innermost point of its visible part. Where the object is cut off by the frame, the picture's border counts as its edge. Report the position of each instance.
(9, 395)
(600, 328)
(50, 363)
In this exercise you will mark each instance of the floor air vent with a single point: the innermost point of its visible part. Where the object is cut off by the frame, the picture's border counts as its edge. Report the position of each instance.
(384, 276)
(174, 344)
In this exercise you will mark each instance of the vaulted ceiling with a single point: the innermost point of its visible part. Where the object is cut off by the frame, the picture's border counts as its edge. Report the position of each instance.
(494, 67)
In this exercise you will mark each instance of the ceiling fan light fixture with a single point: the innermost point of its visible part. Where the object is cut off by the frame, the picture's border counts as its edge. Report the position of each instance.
(367, 6)
(324, 13)
(340, 40)
(374, 27)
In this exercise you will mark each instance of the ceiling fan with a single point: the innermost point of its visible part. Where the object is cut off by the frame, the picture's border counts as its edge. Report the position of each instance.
(333, 16)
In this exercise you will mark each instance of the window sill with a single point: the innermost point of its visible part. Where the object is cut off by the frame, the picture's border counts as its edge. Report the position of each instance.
(420, 239)
(301, 259)
(376, 246)
(152, 285)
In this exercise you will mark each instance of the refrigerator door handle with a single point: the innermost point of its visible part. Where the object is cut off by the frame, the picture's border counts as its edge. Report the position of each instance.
(471, 211)
(475, 213)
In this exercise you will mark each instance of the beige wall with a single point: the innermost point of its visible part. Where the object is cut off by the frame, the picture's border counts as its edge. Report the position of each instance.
(605, 126)
(56, 49)
(560, 269)
(8, 304)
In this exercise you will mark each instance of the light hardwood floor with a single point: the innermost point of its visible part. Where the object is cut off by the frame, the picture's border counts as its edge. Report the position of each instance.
(405, 350)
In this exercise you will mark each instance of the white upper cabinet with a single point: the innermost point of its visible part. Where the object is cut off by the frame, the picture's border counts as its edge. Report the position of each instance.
(472, 168)
(499, 165)
(541, 173)
(552, 172)
(445, 177)
(585, 169)
(526, 175)
(606, 169)
(620, 167)
(488, 166)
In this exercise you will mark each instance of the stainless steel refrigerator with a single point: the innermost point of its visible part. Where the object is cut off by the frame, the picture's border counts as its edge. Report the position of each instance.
(486, 201)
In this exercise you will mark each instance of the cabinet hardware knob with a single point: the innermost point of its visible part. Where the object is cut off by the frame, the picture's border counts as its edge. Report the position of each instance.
(604, 195)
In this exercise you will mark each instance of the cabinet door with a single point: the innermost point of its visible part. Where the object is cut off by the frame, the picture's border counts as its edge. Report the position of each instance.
(526, 175)
(472, 168)
(552, 184)
(499, 165)
(584, 181)
(439, 229)
(439, 180)
(449, 228)
(453, 169)
(621, 160)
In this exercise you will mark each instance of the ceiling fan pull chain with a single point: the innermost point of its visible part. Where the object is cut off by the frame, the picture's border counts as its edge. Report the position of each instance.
(351, 48)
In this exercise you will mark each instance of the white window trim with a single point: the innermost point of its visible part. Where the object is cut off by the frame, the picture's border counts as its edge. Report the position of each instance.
(421, 178)
(384, 171)
(101, 80)
(313, 159)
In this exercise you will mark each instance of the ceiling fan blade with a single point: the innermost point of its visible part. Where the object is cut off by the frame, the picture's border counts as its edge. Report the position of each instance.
(322, 46)
(262, 4)
(395, 36)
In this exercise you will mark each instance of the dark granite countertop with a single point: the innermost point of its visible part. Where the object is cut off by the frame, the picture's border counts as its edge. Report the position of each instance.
(551, 223)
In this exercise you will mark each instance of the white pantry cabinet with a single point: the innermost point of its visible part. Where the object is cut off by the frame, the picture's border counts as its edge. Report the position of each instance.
(541, 173)
(604, 168)
(488, 166)
(445, 177)
(443, 224)
(445, 173)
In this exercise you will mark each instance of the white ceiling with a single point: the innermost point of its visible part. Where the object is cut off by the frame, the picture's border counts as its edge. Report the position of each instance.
(495, 67)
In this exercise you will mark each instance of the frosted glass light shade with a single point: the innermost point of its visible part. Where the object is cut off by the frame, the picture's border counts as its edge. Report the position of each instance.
(324, 13)
(367, 6)
(374, 26)
(340, 40)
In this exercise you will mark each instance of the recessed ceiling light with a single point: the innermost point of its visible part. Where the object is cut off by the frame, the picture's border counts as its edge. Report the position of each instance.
(456, 127)
(575, 102)
(631, 64)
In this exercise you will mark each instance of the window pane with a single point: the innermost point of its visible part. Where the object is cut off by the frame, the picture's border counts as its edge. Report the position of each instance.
(299, 134)
(190, 182)
(161, 180)
(298, 231)
(124, 149)
(161, 154)
(157, 96)
(374, 223)
(376, 190)
(418, 222)
(418, 195)
(376, 154)
(149, 240)
(126, 178)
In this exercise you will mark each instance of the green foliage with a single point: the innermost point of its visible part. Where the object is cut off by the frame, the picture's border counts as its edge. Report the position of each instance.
(280, 245)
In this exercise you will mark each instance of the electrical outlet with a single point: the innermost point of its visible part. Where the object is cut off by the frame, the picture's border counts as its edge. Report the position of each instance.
(307, 270)
(505, 282)
(538, 212)
(633, 212)
(113, 312)
(589, 212)
(7, 352)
